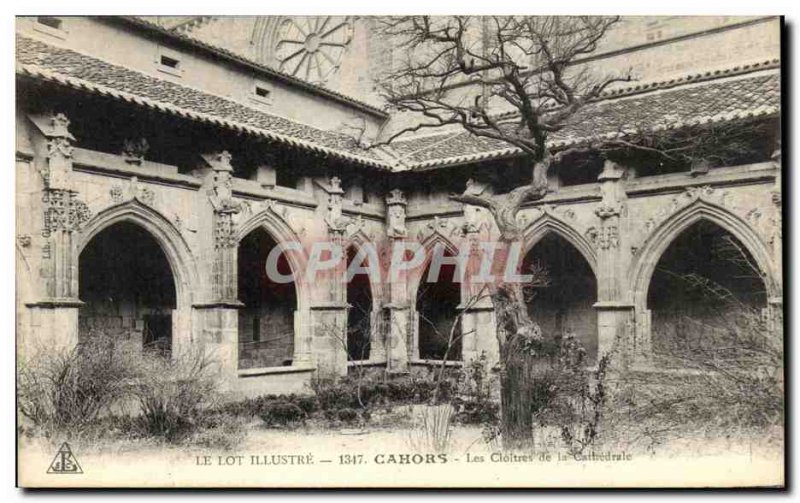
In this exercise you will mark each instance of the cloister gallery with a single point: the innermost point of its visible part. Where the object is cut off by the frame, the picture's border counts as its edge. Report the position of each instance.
(155, 176)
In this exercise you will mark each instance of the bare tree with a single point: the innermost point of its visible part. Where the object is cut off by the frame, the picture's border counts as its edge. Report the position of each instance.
(458, 72)
(525, 64)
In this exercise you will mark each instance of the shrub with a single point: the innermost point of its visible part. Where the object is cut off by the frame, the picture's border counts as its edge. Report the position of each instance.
(566, 395)
(281, 413)
(173, 394)
(474, 404)
(734, 387)
(307, 403)
(336, 394)
(347, 416)
(351, 393)
(67, 390)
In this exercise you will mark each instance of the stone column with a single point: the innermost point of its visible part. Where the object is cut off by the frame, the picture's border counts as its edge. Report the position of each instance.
(775, 302)
(54, 314)
(329, 315)
(478, 322)
(611, 239)
(219, 315)
(397, 308)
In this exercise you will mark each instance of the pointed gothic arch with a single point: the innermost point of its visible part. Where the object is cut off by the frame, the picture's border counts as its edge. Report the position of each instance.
(277, 228)
(146, 248)
(361, 313)
(665, 233)
(696, 213)
(565, 306)
(165, 233)
(549, 223)
(435, 304)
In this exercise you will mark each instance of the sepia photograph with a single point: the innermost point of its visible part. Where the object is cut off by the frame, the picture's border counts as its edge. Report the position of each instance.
(412, 251)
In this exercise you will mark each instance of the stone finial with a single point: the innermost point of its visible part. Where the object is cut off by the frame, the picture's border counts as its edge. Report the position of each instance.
(219, 161)
(60, 124)
(52, 125)
(396, 196)
(133, 151)
(396, 214)
(335, 185)
(611, 171)
(699, 167)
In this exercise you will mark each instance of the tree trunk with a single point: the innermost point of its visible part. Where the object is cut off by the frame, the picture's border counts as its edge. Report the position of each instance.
(518, 366)
(515, 328)
(516, 401)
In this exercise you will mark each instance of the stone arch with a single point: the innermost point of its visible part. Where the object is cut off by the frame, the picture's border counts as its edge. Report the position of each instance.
(427, 324)
(358, 240)
(660, 239)
(280, 231)
(177, 251)
(362, 298)
(547, 224)
(566, 306)
(429, 244)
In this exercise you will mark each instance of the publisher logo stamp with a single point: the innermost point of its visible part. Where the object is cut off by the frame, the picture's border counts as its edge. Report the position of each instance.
(64, 462)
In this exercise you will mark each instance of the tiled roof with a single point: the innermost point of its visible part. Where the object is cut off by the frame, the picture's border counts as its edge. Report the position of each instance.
(752, 95)
(739, 93)
(79, 71)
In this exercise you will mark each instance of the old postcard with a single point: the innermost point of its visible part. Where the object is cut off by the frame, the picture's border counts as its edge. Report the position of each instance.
(420, 251)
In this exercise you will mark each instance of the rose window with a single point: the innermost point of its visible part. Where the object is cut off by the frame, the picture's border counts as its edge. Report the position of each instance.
(312, 48)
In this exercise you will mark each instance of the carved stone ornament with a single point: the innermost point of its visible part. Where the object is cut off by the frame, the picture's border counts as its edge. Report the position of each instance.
(221, 193)
(689, 196)
(133, 189)
(59, 146)
(356, 225)
(312, 48)
(277, 209)
(117, 194)
(337, 222)
(442, 226)
(63, 211)
(604, 210)
(224, 231)
(396, 214)
(603, 238)
(134, 151)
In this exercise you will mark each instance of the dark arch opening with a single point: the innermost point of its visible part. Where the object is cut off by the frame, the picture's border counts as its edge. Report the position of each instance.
(437, 308)
(703, 281)
(564, 305)
(127, 286)
(359, 314)
(266, 322)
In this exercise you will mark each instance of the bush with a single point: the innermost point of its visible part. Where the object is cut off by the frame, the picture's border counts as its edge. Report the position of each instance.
(66, 391)
(307, 403)
(281, 413)
(734, 387)
(474, 404)
(347, 416)
(173, 394)
(352, 393)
